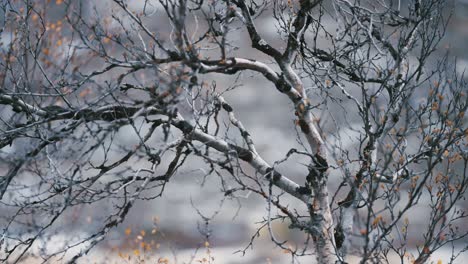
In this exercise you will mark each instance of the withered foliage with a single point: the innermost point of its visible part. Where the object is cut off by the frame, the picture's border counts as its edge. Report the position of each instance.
(102, 103)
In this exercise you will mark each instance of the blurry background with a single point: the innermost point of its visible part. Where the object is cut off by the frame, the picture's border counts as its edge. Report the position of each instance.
(171, 223)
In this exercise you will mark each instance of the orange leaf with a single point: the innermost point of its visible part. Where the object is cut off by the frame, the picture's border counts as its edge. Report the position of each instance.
(85, 92)
(376, 221)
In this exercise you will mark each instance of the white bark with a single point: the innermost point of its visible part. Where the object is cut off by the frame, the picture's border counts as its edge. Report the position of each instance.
(256, 162)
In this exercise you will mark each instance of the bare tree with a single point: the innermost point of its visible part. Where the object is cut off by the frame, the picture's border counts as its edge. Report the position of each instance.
(377, 102)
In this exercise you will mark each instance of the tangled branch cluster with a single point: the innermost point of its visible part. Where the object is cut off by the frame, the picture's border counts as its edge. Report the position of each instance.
(378, 107)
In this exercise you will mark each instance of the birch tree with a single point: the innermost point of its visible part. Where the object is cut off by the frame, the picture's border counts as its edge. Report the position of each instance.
(375, 97)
